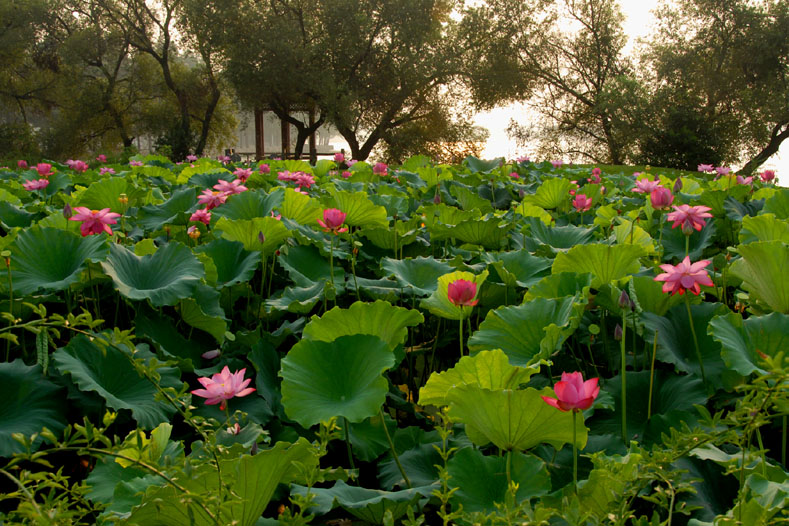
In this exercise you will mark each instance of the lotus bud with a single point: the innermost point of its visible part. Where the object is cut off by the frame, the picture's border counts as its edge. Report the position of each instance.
(261, 237)
(687, 228)
(618, 332)
(437, 198)
(678, 185)
(67, 212)
(210, 355)
(624, 300)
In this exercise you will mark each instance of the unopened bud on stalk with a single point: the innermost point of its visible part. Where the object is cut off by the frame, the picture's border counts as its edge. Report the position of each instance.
(625, 302)
(261, 237)
(618, 332)
(67, 212)
(678, 185)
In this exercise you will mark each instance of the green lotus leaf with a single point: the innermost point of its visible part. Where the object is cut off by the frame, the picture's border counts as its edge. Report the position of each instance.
(716, 199)
(526, 333)
(649, 295)
(380, 319)
(377, 289)
(301, 208)
(764, 227)
(170, 274)
(513, 420)
(417, 456)
(470, 200)
(438, 303)
(306, 267)
(481, 485)
(161, 330)
(30, 403)
(156, 172)
(104, 194)
(530, 210)
(251, 204)
(476, 165)
(675, 339)
(627, 233)
(358, 209)
(486, 369)
(385, 237)
(297, 299)
(745, 341)
(552, 193)
(202, 311)
(606, 262)
(778, 204)
(8, 197)
(518, 268)
(248, 231)
(368, 437)
(321, 380)
(420, 274)
(762, 269)
(207, 178)
(561, 285)
(14, 217)
(488, 233)
(446, 215)
(173, 211)
(674, 241)
(559, 237)
(233, 263)
(51, 259)
(110, 373)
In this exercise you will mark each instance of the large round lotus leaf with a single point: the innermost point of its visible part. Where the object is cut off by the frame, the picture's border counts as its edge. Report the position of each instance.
(552, 193)
(438, 303)
(306, 267)
(778, 204)
(202, 311)
(605, 262)
(419, 463)
(233, 263)
(674, 241)
(530, 210)
(419, 274)
(476, 165)
(765, 227)
(251, 204)
(519, 267)
(558, 237)
(30, 403)
(468, 199)
(109, 373)
(482, 482)
(561, 285)
(627, 233)
(762, 269)
(173, 211)
(487, 369)
(675, 339)
(321, 380)
(248, 232)
(487, 233)
(301, 208)
(168, 275)
(358, 209)
(368, 437)
(52, 259)
(513, 420)
(649, 295)
(104, 194)
(526, 333)
(378, 319)
(745, 342)
(12, 216)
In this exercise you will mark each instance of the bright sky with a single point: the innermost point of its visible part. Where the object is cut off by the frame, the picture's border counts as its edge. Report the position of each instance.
(638, 23)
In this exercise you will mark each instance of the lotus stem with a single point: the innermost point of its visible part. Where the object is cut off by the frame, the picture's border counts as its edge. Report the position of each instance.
(394, 452)
(331, 262)
(395, 236)
(509, 465)
(783, 443)
(761, 452)
(695, 340)
(652, 377)
(11, 307)
(461, 331)
(353, 264)
(623, 374)
(348, 442)
(687, 245)
(575, 452)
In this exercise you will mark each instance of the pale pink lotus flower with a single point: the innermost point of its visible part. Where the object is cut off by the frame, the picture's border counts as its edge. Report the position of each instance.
(462, 292)
(77, 165)
(333, 219)
(744, 180)
(210, 355)
(278, 217)
(767, 175)
(339, 157)
(102, 158)
(211, 199)
(242, 174)
(36, 184)
(661, 198)
(193, 232)
(44, 169)
(223, 386)
(286, 176)
(573, 393)
(380, 169)
(21, 163)
(582, 203)
(264, 169)
(645, 186)
(303, 179)
(203, 215)
(515, 175)
(557, 163)
(351, 162)
(94, 221)
(106, 170)
(523, 159)
(722, 170)
(230, 188)
(191, 158)
(595, 176)
(136, 163)
(685, 276)
(705, 168)
(223, 158)
(689, 217)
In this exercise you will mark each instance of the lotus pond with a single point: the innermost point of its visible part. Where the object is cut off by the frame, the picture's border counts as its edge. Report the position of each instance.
(348, 343)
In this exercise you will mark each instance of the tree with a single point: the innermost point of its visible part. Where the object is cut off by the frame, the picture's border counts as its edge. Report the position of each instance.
(731, 57)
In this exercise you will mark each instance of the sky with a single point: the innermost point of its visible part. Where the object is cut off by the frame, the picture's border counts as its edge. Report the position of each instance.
(639, 22)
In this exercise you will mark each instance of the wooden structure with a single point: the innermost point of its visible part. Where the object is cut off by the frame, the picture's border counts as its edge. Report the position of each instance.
(260, 143)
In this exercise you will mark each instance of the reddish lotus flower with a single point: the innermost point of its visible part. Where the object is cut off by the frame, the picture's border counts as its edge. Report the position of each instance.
(77, 166)
(461, 292)
(380, 169)
(689, 217)
(36, 184)
(582, 203)
(230, 188)
(202, 215)
(557, 163)
(722, 170)
(44, 169)
(573, 393)
(264, 169)
(685, 276)
(346, 174)
(767, 175)
(515, 175)
(211, 199)
(224, 159)
(661, 198)
(106, 170)
(339, 157)
(303, 179)
(645, 186)
(595, 176)
(706, 168)
(102, 158)
(286, 176)
(22, 164)
(191, 158)
(223, 386)
(333, 219)
(94, 221)
(242, 174)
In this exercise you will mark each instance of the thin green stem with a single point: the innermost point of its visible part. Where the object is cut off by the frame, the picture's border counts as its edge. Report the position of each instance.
(695, 340)
(392, 449)
(509, 469)
(10, 306)
(461, 331)
(623, 374)
(761, 452)
(348, 442)
(31, 499)
(575, 452)
(331, 262)
(783, 443)
(353, 265)
(687, 245)
(652, 377)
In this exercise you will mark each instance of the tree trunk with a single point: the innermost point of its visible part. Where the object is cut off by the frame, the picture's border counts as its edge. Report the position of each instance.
(776, 138)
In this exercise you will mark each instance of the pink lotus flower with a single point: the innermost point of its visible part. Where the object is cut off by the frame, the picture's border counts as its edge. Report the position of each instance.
(461, 292)
(573, 393)
(102, 158)
(278, 217)
(685, 276)
(37, 184)
(380, 169)
(351, 162)
(224, 159)
(345, 174)
(557, 164)
(744, 180)
(722, 170)
(22, 164)
(523, 159)
(77, 166)
(264, 169)
(689, 217)
(286, 176)
(136, 163)
(230, 188)
(767, 175)
(582, 203)
(191, 158)
(44, 169)
(223, 386)
(645, 186)
(595, 176)
(193, 232)
(303, 179)
(333, 219)
(106, 170)
(211, 199)
(706, 168)
(242, 174)
(203, 215)
(515, 175)
(339, 157)
(94, 221)
(661, 198)
(210, 355)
